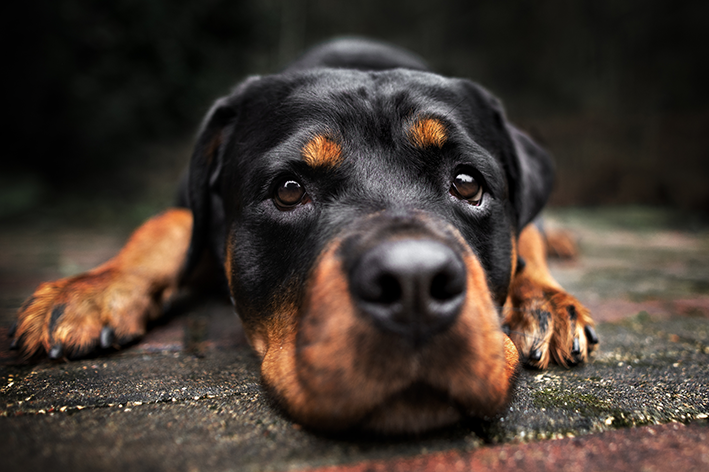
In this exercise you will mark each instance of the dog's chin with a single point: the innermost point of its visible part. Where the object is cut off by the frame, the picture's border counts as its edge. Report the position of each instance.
(416, 409)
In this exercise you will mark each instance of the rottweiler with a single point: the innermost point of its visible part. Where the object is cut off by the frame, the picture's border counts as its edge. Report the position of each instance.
(376, 226)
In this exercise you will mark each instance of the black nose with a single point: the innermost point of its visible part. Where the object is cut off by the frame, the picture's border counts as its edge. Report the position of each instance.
(414, 288)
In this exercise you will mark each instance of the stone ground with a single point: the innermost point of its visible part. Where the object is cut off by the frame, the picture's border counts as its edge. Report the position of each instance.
(187, 397)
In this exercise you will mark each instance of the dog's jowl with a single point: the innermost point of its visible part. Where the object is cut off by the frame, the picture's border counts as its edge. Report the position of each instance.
(374, 222)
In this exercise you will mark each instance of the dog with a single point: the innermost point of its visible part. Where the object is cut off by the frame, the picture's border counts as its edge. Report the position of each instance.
(376, 226)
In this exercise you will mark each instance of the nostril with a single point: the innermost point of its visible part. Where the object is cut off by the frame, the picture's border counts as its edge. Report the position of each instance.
(446, 285)
(384, 289)
(390, 289)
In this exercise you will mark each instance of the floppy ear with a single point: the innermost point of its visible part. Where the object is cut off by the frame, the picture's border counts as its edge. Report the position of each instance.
(529, 168)
(202, 187)
(535, 180)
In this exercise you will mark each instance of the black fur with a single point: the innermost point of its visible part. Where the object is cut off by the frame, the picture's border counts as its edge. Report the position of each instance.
(367, 94)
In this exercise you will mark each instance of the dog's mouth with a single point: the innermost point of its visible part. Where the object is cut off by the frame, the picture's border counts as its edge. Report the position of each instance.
(415, 409)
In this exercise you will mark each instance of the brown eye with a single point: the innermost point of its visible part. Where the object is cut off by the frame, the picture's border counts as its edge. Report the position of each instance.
(288, 194)
(465, 187)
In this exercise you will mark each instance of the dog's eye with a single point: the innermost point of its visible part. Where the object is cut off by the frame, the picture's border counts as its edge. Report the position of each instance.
(289, 193)
(465, 187)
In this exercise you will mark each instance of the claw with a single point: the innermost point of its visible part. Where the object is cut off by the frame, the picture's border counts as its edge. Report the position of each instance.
(57, 313)
(591, 335)
(27, 304)
(108, 337)
(571, 310)
(535, 355)
(13, 329)
(56, 352)
(576, 348)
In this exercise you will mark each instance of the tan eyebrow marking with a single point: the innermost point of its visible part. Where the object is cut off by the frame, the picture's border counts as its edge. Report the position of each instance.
(427, 132)
(321, 151)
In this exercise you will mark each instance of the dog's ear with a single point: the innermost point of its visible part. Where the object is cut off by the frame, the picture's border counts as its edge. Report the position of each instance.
(535, 179)
(529, 168)
(202, 188)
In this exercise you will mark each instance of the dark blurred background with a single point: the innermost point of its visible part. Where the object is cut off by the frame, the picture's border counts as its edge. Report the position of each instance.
(104, 98)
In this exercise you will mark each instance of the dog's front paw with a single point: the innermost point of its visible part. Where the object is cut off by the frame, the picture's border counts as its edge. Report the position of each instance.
(553, 326)
(74, 316)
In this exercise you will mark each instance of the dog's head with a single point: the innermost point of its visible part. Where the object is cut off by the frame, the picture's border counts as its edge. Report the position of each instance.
(366, 223)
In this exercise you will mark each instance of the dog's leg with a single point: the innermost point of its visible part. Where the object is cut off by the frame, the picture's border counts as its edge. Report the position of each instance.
(110, 304)
(543, 320)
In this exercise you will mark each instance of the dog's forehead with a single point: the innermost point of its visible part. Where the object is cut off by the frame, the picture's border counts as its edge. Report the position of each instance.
(319, 113)
(352, 97)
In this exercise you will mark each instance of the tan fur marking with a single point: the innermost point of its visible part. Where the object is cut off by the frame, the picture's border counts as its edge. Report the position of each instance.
(228, 265)
(428, 132)
(123, 293)
(321, 151)
(537, 309)
(313, 391)
(488, 355)
(511, 359)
